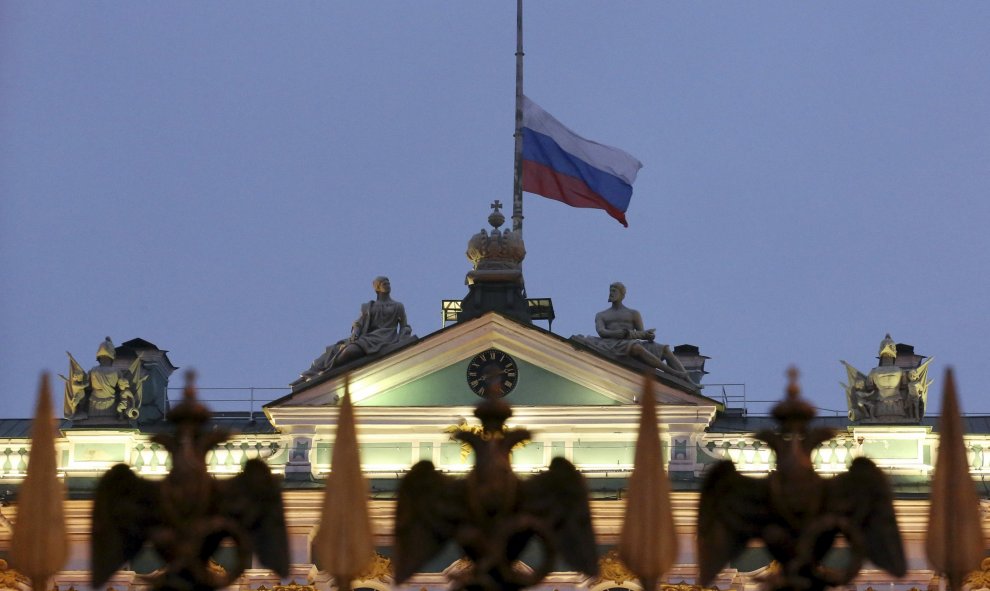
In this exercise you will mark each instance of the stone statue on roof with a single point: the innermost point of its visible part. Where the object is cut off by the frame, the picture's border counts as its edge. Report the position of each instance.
(621, 334)
(104, 394)
(895, 391)
(381, 327)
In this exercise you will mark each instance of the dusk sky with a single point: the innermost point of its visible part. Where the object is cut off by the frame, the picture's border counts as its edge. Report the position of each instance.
(226, 179)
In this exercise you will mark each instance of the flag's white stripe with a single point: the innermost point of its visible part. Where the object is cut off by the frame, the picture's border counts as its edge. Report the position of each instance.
(602, 157)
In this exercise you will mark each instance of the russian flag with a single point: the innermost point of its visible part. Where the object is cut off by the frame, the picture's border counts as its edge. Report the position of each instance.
(559, 164)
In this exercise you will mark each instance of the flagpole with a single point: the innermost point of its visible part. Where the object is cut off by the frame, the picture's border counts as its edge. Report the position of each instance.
(517, 215)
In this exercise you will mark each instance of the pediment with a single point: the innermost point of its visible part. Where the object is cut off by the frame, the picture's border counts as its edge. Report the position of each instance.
(553, 371)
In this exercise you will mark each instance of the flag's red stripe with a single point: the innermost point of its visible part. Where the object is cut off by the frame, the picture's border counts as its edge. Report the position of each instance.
(547, 182)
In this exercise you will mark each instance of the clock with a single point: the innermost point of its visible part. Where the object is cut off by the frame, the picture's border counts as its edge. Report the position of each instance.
(492, 374)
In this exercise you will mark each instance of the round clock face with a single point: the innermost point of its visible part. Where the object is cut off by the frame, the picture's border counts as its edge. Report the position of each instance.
(492, 374)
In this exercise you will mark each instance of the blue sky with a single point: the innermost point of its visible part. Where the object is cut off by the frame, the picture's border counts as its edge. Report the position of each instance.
(225, 179)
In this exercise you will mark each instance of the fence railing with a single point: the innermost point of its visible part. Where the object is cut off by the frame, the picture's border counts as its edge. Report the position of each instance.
(733, 396)
(233, 399)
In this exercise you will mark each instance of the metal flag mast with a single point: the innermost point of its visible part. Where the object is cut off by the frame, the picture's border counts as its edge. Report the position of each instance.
(517, 215)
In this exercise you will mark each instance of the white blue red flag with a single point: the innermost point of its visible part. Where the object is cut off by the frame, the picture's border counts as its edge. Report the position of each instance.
(559, 164)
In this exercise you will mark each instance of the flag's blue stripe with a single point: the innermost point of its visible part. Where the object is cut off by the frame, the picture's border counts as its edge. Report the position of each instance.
(541, 148)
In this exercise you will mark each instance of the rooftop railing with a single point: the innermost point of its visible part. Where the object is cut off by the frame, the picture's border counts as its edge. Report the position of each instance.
(233, 399)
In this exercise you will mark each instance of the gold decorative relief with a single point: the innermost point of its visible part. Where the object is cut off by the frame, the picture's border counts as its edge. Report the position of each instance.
(612, 569)
(979, 579)
(216, 568)
(682, 586)
(480, 432)
(293, 586)
(380, 570)
(10, 578)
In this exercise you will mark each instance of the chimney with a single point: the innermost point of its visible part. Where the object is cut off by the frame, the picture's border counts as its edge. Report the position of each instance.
(692, 360)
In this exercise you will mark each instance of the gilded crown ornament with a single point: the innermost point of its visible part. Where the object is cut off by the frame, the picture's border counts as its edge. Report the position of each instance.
(496, 256)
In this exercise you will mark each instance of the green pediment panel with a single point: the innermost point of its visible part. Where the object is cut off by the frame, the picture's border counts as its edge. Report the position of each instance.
(449, 387)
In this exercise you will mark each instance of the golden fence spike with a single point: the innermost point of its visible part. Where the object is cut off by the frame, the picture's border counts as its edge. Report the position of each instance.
(39, 547)
(648, 542)
(955, 536)
(344, 545)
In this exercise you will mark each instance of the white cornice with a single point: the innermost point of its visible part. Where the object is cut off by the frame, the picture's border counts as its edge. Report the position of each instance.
(555, 419)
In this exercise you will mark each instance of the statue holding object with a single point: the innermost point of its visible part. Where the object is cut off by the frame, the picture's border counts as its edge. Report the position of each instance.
(104, 393)
(621, 334)
(381, 327)
(894, 391)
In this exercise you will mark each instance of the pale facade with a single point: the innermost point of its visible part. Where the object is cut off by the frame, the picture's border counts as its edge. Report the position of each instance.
(580, 405)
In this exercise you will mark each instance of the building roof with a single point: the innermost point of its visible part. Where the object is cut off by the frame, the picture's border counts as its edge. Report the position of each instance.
(616, 379)
(732, 423)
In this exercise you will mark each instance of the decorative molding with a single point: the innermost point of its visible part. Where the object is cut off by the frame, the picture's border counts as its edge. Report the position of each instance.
(461, 568)
(458, 567)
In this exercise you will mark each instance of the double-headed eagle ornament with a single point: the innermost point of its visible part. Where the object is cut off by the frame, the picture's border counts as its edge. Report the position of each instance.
(795, 512)
(188, 515)
(493, 515)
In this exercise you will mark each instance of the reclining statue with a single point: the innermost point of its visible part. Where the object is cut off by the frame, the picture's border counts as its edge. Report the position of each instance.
(381, 327)
(621, 334)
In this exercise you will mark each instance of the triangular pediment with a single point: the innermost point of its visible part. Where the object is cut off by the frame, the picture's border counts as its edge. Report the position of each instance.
(553, 371)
